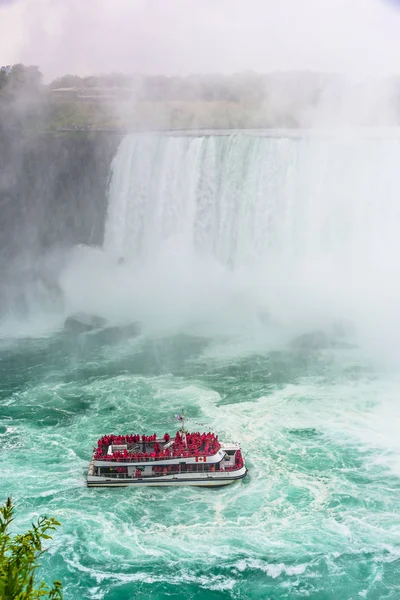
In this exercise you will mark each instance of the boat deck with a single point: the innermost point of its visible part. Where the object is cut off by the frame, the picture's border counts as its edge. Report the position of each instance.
(144, 448)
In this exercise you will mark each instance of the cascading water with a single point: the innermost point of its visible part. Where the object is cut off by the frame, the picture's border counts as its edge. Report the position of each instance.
(231, 245)
(305, 229)
(244, 199)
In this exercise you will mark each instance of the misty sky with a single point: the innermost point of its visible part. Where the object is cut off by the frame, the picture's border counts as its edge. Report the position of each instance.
(201, 36)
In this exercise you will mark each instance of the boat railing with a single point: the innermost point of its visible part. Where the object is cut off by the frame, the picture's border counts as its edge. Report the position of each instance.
(122, 459)
(229, 469)
(142, 476)
(155, 475)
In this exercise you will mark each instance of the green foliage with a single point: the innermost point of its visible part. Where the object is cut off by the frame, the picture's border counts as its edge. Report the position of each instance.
(22, 78)
(3, 78)
(19, 556)
(66, 81)
(22, 98)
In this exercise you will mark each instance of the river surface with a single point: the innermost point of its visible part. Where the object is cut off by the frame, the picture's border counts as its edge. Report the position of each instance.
(318, 516)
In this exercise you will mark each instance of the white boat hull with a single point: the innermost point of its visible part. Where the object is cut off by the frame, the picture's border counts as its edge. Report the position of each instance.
(217, 480)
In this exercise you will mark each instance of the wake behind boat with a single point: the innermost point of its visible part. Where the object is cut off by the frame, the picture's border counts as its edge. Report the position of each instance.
(199, 459)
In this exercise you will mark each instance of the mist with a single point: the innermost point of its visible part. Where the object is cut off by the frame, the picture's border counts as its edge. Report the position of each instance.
(309, 64)
(182, 37)
(249, 235)
(190, 260)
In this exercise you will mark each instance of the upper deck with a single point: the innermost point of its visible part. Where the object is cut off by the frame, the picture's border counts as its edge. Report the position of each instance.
(185, 447)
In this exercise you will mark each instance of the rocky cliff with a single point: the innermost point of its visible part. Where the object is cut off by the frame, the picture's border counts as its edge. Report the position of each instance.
(53, 194)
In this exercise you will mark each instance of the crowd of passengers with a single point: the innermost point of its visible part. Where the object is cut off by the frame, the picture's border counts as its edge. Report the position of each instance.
(173, 469)
(107, 440)
(238, 460)
(204, 444)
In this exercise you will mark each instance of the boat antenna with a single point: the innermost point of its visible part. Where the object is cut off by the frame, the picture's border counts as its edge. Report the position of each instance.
(183, 421)
(181, 418)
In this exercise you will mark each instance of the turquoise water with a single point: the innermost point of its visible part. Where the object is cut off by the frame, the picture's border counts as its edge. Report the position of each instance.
(318, 516)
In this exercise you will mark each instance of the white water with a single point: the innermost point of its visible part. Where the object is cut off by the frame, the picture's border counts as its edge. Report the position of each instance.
(232, 228)
(246, 200)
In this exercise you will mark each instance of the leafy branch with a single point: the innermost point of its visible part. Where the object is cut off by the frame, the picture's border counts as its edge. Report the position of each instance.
(19, 556)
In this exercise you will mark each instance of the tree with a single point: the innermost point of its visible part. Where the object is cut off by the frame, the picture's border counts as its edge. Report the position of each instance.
(19, 556)
(66, 81)
(23, 78)
(3, 77)
(22, 98)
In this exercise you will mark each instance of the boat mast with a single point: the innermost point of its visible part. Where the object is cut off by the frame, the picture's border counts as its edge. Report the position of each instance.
(182, 418)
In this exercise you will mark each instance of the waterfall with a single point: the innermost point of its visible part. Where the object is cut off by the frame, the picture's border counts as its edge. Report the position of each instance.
(248, 199)
(304, 229)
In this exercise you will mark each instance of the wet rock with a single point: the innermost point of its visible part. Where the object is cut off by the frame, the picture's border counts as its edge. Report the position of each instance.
(81, 322)
(319, 340)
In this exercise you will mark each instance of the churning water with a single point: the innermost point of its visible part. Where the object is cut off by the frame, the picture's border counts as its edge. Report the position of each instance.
(232, 246)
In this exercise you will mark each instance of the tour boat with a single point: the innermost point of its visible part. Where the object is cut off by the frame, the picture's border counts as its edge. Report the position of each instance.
(134, 460)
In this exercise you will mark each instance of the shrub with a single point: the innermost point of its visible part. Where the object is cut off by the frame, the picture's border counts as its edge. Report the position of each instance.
(19, 556)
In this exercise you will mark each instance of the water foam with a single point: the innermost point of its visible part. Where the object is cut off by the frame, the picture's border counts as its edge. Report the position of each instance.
(235, 230)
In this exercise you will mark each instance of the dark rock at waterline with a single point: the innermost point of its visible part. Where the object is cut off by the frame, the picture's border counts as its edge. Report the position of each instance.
(115, 334)
(98, 329)
(319, 340)
(81, 322)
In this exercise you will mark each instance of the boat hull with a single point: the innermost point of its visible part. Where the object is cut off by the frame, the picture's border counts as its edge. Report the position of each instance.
(217, 481)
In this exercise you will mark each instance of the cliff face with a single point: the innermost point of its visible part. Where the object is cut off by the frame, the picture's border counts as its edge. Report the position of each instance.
(53, 194)
(53, 190)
